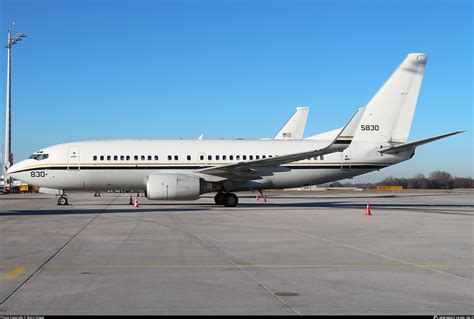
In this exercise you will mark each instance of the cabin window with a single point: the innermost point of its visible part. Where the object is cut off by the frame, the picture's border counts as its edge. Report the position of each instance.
(251, 157)
(257, 156)
(263, 156)
(217, 157)
(270, 156)
(127, 158)
(237, 157)
(156, 157)
(122, 157)
(102, 157)
(115, 157)
(209, 157)
(149, 157)
(244, 157)
(224, 157)
(188, 157)
(201, 157)
(135, 157)
(109, 157)
(231, 157)
(94, 158)
(169, 157)
(176, 157)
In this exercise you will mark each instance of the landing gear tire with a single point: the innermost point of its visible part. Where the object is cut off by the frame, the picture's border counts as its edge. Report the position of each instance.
(231, 200)
(219, 199)
(62, 201)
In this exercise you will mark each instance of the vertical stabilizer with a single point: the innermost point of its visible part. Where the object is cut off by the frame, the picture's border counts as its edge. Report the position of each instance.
(294, 128)
(389, 114)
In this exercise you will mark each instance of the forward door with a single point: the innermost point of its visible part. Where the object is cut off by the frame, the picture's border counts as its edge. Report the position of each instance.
(74, 162)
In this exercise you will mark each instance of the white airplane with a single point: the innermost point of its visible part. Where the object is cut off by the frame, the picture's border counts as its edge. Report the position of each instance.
(373, 139)
(294, 128)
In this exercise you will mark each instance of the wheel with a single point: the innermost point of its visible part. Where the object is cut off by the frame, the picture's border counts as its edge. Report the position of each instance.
(231, 200)
(219, 198)
(62, 201)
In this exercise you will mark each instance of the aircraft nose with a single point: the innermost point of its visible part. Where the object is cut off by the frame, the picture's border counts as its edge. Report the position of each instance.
(14, 169)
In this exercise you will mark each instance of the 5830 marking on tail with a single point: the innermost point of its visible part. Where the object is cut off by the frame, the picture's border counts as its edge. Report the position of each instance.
(369, 127)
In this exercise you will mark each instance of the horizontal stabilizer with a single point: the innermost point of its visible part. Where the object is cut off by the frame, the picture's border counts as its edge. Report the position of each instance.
(413, 145)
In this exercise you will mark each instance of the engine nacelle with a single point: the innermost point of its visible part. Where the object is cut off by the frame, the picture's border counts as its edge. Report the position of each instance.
(172, 186)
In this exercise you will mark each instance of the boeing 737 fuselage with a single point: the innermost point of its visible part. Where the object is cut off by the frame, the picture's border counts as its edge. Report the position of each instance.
(374, 138)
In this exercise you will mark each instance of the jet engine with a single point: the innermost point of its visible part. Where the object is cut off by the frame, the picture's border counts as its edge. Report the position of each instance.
(172, 186)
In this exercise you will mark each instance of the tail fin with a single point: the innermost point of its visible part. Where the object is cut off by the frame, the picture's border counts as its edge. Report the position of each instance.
(294, 128)
(389, 114)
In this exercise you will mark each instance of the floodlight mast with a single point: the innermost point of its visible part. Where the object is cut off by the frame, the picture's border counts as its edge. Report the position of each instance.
(8, 153)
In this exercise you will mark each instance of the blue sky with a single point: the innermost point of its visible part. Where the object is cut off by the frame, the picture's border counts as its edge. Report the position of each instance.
(233, 69)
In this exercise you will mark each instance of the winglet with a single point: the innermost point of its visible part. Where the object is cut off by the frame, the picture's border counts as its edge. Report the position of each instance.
(346, 135)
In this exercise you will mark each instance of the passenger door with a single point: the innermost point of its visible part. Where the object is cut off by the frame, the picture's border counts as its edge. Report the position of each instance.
(346, 161)
(74, 162)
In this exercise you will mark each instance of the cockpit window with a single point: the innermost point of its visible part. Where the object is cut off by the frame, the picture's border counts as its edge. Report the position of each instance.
(39, 157)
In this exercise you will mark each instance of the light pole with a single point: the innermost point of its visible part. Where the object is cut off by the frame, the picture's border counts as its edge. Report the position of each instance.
(8, 143)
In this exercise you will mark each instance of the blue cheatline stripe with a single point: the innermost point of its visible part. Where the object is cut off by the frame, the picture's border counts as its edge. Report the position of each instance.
(117, 168)
(343, 142)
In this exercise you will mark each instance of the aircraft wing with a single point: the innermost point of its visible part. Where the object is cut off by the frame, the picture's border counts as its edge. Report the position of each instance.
(267, 166)
(413, 145)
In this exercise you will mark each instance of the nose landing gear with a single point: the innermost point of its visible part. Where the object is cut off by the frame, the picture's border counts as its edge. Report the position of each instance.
(62, 200)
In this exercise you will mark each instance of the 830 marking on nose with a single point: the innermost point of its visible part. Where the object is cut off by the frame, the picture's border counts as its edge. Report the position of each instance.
(38, 174)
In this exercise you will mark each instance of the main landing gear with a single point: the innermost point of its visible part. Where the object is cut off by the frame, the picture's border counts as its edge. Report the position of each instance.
(226, 199)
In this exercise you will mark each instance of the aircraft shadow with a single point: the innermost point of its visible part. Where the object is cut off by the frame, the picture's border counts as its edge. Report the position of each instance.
(50, 212)
(449, 209)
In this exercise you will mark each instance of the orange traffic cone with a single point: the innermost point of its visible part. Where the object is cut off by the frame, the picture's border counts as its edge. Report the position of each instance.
(136, 203)
(367, 210)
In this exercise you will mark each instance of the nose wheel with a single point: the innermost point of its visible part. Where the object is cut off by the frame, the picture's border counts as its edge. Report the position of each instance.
(62, 200)
(226, 199)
